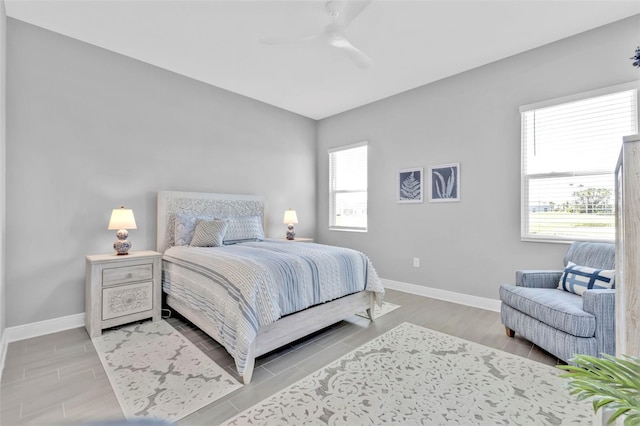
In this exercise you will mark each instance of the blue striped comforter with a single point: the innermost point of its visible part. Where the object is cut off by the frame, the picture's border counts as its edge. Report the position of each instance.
(241, 287)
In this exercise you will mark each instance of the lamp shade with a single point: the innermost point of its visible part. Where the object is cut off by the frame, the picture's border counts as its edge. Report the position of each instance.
(122, 219)
(290, 217)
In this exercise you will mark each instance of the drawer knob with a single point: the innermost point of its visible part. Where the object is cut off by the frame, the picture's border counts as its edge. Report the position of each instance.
(129, 275)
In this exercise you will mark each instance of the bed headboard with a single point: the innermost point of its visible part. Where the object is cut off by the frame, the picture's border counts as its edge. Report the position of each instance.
(201, 204)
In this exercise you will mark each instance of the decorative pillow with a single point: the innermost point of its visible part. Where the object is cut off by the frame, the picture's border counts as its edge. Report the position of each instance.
(241, 229)
(576, 279)
(185, 225)
(209, 233)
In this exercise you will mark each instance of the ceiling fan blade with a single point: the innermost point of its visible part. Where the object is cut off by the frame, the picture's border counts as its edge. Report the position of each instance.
(355, 54)
(282, 40)
(342, 13)
(351, 10)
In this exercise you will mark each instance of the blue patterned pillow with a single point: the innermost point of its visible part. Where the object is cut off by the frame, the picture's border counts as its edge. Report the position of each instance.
(184, 227)
(209, 233)
(576, 279)
(242, 229)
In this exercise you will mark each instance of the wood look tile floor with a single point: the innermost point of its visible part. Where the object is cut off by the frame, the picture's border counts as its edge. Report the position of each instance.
(58, 378)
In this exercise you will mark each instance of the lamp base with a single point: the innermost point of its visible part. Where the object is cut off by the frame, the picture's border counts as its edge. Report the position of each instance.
(290, 234)
(122, 244)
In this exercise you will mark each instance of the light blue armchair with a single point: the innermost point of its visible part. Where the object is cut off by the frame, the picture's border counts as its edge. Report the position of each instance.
(558, 321)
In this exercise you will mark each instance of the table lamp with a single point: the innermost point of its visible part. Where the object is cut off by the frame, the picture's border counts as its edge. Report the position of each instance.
(290, 218)
(122, 219)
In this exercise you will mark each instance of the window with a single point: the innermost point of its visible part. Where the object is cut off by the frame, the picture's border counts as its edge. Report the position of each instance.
(570, 148)
(348, 188)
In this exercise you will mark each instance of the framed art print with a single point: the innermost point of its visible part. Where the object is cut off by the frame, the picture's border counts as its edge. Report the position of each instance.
(444, 182)
(410, 185)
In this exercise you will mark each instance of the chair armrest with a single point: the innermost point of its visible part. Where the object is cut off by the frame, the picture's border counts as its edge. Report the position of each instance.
(538, 278)
(602, 305)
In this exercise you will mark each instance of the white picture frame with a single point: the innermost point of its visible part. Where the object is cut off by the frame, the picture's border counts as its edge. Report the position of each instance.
(444, 183)
(410, 185)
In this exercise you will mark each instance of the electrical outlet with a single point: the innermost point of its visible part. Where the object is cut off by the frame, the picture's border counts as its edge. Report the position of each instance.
(416, 262)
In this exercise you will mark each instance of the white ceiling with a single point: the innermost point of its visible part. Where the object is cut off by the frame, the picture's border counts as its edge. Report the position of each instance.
(411, 43)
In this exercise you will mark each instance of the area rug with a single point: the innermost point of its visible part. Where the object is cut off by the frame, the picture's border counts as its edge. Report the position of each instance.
(380, 310)
(156, 372)
(412, 375)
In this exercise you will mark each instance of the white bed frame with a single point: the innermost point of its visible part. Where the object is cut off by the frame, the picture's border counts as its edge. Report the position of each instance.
(287, 329)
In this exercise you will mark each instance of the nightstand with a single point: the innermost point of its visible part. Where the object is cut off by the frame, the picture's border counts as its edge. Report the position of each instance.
(298, 240)
(122, 289)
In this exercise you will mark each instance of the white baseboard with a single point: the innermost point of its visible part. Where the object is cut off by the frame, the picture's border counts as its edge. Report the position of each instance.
(3, 352)
(449, 296)
(40, 328)
(35, 329)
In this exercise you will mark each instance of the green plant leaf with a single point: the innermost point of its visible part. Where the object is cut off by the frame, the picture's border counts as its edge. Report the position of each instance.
(612, 382)
(632, 420)
(616, 414)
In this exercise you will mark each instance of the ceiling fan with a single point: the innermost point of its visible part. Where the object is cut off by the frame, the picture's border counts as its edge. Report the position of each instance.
(342, 13)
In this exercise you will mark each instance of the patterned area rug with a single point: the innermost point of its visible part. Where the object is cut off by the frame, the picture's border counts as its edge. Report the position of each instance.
(380, 310)
(156, 372)
(412, 375)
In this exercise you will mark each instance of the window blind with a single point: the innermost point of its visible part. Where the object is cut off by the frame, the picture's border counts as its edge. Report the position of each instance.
(569, 153)
(348, 188)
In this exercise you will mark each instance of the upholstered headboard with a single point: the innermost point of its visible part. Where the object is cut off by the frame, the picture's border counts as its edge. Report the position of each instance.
(201, 204)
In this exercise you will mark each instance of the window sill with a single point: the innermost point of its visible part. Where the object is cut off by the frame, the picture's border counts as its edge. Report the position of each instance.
(563, 240)
(347, 229)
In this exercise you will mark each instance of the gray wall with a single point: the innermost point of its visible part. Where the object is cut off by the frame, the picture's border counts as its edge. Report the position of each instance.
(3, 51)
(474, 245)
(89, 130)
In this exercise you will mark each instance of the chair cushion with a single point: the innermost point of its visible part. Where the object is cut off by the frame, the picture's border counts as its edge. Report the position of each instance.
(558, 309)
(576, 279)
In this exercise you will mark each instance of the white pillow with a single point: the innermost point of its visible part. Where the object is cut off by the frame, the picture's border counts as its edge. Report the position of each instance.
(242, 229)
(576, 279)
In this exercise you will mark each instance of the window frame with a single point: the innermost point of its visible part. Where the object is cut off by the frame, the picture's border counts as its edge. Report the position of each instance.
(334, 192)
(525, 180)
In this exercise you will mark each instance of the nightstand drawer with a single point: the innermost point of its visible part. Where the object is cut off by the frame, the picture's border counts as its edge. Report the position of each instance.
(127, 274)
(126, 299)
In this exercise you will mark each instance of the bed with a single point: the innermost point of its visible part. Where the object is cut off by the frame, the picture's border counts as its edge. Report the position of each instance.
(253, 294)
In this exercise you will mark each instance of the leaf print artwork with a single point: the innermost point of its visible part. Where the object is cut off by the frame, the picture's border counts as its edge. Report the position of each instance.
(411, 188)
(410, 185)
(445, 182)
(445, 191)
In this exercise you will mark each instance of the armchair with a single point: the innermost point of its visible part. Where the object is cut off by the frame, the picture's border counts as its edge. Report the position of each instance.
(561, 322)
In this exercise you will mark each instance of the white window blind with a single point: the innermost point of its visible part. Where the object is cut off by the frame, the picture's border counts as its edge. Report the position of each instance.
(569, 153)
(348, 188)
